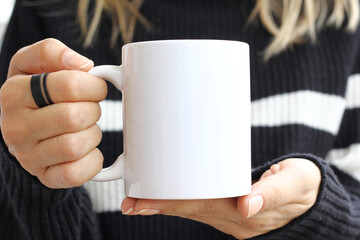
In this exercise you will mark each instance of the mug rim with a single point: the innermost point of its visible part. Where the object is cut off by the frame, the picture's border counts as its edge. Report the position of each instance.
(173, 41)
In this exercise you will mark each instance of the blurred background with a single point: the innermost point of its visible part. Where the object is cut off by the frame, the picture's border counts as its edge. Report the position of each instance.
(6, 7)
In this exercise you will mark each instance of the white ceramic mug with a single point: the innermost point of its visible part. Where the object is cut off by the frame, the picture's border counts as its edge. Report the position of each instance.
(186, 115)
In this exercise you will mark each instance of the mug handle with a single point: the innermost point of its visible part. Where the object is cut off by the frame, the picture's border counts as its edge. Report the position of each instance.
(113, 74)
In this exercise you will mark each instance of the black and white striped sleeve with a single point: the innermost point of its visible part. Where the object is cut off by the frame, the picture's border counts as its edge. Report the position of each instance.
(345, 154)
(336, 213)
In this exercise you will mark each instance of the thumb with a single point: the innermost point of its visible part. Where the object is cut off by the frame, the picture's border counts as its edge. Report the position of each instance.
(275, 188)
(48, 55)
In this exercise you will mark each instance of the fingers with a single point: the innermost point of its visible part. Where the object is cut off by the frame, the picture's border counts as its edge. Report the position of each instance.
(190, 209)
(62, 86)
(270, 191)
(59, 150)
(66, 147)
(275, 168)
(48, 55)
(280, 196)
(75, 86)
(56, 143)
(222, 208)
(44, 139)
(128, 206)
(73, 174)
(63, 118)
(23, 129)
(290, 181)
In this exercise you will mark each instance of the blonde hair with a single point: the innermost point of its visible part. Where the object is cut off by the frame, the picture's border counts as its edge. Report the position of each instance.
(296, 21)
(288, 21)
(124, 15)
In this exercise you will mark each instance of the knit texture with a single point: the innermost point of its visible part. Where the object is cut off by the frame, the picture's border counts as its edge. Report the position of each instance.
(302, 107)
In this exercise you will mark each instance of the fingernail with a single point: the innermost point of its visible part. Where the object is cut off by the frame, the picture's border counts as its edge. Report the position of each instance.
(255, 205)
(129, 211)
(275, 168)
(75, 60)
(147, 212)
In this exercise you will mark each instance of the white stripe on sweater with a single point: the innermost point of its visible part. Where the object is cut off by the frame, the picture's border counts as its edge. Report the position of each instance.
(317, 110)
(353, 92)
(346, 159)
(111, 116)
(106, 196)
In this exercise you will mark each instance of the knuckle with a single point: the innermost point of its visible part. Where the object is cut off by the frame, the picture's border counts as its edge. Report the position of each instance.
(70, 118)
(97, 111)
(22, 157)
(27, 161)
(70, 147)
(95, 135)
(13, 133)
(100, 160)
(97, 160)
(98, 132)
(5, 96)
(102, 90)
(70, 86)
(47, 47)
(49, 180)
(44, 179)
(71, 176)
(10, 94)
(17, 57)
(17, 54)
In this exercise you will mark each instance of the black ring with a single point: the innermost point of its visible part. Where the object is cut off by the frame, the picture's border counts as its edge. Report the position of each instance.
(37, 94)
(45, 90)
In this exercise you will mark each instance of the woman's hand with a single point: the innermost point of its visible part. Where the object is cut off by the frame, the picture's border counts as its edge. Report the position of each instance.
(56, 143)
(285, 191)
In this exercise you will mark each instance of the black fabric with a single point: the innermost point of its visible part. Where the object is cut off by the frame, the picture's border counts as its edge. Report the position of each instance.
(350, 130)
(29, 210)
(303, 139)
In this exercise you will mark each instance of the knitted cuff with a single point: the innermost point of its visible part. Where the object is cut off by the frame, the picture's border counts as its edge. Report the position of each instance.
(30, 210)
(333, 214)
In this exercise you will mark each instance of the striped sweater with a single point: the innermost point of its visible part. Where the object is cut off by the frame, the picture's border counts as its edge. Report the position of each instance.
(305, 103)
